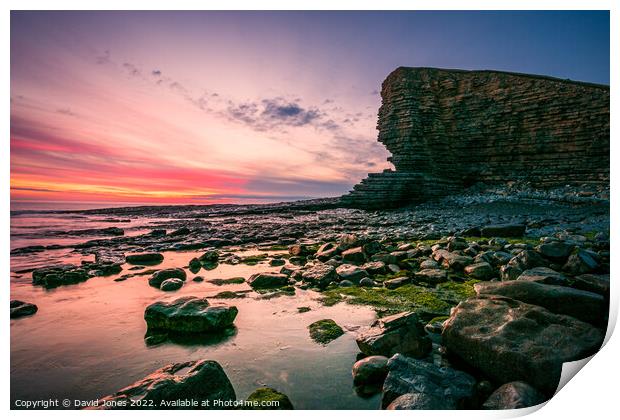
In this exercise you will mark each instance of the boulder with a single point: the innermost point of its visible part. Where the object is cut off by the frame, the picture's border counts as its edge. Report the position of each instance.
(372, 247)
(351, 273)
(144, 259)
(586, 306)
(320, 275)
(324, 331)
(503, 231)
(508, 340)
(431, 276)
(267, 280)
(513, 395)
(433, 387)
(374, 267)
(209, 257)
(268, 399)
(202, 380)
(158, 277)
(481, 271)
(354, 255)
(400, 333)
(20, 308)
(428, 264)
(194, 265)
(596, 283)
(171, 284)
(455, 261)
(396, 283)
(580, 262)
(189, 314)
(367, 282)
(370, 370)
(555, 250)
(543, 275)
(417, 401)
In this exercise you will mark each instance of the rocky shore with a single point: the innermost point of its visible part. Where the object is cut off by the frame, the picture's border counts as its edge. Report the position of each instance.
(480, 296)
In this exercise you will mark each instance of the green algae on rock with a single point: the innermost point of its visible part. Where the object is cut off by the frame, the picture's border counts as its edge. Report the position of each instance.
(324, 331)
(426, 302)
(268, 399)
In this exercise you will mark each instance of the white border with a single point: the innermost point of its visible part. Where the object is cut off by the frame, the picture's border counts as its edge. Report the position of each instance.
(592, 394)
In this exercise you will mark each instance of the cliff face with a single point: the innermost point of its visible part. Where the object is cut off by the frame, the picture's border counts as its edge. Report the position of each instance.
(447, 129)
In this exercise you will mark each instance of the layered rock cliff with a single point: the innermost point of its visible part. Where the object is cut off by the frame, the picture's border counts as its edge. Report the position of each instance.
(447, 129)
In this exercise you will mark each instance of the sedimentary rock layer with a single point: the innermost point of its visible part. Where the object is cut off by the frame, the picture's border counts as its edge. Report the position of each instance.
(447, 129)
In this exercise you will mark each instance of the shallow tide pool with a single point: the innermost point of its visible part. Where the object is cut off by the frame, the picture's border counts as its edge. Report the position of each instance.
(87, 340)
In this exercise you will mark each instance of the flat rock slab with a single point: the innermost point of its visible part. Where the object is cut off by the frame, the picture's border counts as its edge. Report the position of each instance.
(400, 333)
(202, 380)
(543, 275)
(189, 314)
(508, 340)
(431, 276)
(586, 306)
(428, 386)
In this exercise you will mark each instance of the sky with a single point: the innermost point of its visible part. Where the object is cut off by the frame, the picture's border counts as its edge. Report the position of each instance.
(131, 108)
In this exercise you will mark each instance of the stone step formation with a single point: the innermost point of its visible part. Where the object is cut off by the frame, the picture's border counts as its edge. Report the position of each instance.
(448, 129)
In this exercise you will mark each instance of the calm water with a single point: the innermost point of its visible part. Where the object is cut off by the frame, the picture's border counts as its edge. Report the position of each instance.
(87, 340)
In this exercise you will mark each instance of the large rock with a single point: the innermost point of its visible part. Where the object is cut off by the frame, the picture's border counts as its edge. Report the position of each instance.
(203, 381)
(320, 275)
(481, 271)
(513, 395)
(19, 308)
(543, 275)
(189, 314)
(586, 306)
(374, 267)
(524, 260)
(508, 340)
(581, 262)
(396, 283)
(370, 370)
(429, 386)
(354, 255)
(169, 273)
(555, 250)
(351, 273)
(456, 261)
(171, 284)
(504, 231)
(267, 280)
(400, 333)
(431, 276)
(596, 283)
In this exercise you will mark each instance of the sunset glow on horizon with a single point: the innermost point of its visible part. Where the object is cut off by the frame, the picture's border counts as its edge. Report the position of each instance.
(240, 107)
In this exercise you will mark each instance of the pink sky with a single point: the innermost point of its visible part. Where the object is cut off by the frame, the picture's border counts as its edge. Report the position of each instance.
(116, 119)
